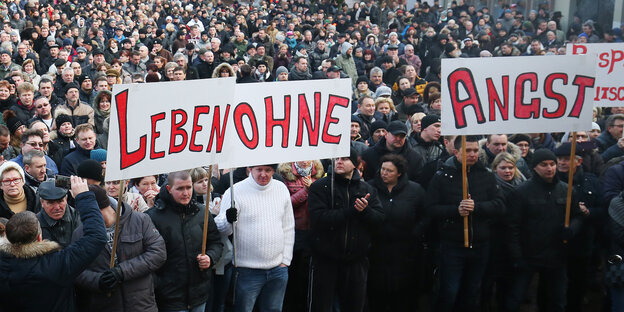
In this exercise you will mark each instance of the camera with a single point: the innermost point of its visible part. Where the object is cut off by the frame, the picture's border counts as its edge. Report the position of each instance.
(62, 182)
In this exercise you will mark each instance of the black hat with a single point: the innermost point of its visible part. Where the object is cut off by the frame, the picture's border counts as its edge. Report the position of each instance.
(71, 85)
(517, 138)
(261, 62)
(353, 156)
(157, 41)
(342, 35)
(63, 118)
(355, 118)
(82, 78)
(409, 92)
(333, 69)
(96, 52)
(397, 127)
(100, 196)
(393, 47)
(13, 123)
(59, 62)
(386, 59)
(565, 149)
(376, 125)
(361, 79)
(541, 155)
(90, 169)
(49, 191)
(54, 46)
(126, 41)
(428, 121)
(413, 109)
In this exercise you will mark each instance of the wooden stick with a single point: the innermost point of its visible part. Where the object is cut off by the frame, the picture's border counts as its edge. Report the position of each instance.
(465, 190)
(207, 212)
(570, 180)
(122, 187)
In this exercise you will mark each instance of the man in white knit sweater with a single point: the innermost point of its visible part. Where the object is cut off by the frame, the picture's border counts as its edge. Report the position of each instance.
(264, 232)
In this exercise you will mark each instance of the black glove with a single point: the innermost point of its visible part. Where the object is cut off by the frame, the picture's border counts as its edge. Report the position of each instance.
(567, 233)
(110, 278)
(231, 214)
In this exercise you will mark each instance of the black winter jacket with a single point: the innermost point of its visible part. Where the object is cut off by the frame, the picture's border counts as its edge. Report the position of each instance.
(31, 203)
(537, 215)
(372, 157)
(340, 231)
(395, 247)
(445, 193)
(179, 282)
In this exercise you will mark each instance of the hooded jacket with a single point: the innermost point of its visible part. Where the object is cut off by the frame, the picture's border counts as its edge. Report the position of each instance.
(298, 192)
(140, 252)
(347, 63)
(215, 73)
(179, 282)
(338, 230)
(39, 276)
(445, 193)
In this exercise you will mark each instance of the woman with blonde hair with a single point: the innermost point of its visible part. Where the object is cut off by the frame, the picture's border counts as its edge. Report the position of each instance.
(385, 110)
(29, 70)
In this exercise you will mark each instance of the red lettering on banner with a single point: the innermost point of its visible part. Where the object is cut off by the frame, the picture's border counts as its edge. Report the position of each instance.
(304, 117)
(334, 100)
(127, 158)
(609, 59)
(177, 130)
(522, 110)
(464, 76)
(244, 109)
(272, 122)
(561, 100)
(583, 82)
(196, 127)
(495, 100)
(218, 131)
(579, 49)
(156, 134)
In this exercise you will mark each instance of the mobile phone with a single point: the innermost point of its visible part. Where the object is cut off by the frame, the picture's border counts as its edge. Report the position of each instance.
(62, 182)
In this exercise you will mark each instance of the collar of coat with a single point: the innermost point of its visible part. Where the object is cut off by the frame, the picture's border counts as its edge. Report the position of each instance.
(30, 250)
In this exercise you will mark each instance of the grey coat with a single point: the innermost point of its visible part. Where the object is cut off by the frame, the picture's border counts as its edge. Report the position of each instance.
(140, 251)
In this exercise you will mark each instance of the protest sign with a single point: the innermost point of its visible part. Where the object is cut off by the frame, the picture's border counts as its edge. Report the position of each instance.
(167, 126)
(517, 94)
(609, 89)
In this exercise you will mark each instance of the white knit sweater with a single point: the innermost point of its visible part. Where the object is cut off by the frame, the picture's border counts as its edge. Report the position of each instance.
(265, 230)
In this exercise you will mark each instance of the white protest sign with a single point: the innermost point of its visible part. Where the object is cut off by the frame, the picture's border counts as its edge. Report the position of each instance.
(163, 127)
(517, 94)
(609, 89)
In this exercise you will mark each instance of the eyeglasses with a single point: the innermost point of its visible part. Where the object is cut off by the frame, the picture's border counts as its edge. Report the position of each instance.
(12, 182)
(35, 144)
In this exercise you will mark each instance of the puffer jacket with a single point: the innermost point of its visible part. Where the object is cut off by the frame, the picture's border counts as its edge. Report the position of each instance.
(179, 282)
(298, 192)
(140, 251)
(83, 113)
(445, 193)
(340, 231)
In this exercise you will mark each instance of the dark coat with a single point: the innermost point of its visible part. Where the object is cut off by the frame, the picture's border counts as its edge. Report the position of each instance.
(31, 203)
(372, 157)
(394, 252)
(140, 252)
(22, 113)
(70, 163)
(340, 231)
(537, 214)
(39, 276)
(59, 231)
(445, 193)
(179, 282)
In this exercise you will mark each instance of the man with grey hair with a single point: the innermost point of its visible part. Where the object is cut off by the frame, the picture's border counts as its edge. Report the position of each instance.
(182, 61)
(376, 78)
(35, 170)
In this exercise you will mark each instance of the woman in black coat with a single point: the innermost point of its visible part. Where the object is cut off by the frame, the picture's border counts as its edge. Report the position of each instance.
(396, 247)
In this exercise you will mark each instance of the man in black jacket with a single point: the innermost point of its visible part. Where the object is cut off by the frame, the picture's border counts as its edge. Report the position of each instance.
(342, 221)
(537, 235)
(461, 267)
(393, 143)
(185, 280)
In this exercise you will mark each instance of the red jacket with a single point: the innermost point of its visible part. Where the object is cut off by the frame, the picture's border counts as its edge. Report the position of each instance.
(298, 192)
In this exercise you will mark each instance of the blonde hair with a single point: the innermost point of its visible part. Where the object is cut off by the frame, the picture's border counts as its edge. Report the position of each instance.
(507, 157)
(381, 99)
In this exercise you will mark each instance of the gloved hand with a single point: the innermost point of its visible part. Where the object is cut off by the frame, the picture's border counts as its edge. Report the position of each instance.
(110, 279)
(231, 214)
(567, 233)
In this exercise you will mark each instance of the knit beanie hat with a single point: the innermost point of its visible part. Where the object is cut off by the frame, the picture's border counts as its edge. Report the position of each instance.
(376, 125)
(98, 155)
(361, 79)
(541, 155)
(90, 169)
(62, 118)
(280, 70)
(428, 121)
(353, 155)
(100, 196)
(71, 85)
(13, 123)
(517, 138)
(357, 119)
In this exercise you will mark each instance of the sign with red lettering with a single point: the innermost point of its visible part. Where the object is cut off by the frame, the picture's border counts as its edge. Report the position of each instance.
(517, 94)
(609, 89)
(168, 126)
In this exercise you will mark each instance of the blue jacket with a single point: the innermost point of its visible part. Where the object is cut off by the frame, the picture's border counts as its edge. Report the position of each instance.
(70, 163)
(613, 181)
(39, 276)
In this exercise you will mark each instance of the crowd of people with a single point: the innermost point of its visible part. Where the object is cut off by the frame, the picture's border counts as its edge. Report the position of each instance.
(379, 230)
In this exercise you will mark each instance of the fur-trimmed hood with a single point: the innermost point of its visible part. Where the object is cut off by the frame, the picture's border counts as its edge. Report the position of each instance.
(286, 170)
(512, 149)
(215, 73)
(30, 250)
